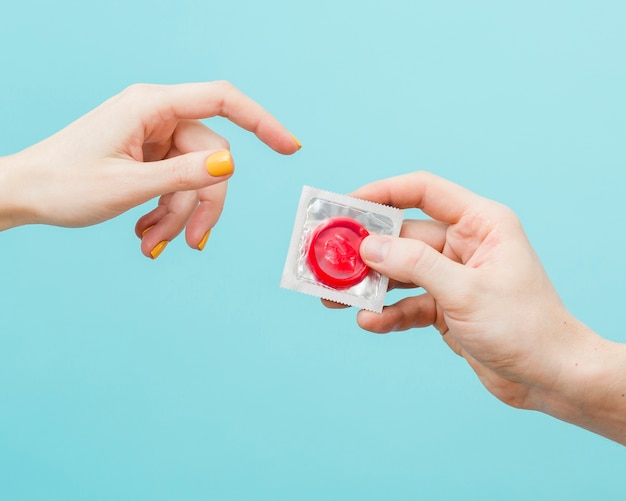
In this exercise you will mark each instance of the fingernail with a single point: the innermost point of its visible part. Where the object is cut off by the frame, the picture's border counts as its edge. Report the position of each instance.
(203, 241)
(146, 230)
(295, 140)
(156, 252)
(220, 163)
(375, 248)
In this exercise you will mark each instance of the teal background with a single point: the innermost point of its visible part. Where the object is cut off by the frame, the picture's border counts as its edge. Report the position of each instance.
(195, 376)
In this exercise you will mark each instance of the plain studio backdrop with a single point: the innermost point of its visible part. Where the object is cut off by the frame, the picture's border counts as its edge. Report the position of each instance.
(195, 376)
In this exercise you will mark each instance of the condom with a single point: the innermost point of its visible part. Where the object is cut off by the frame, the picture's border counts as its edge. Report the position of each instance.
(333, 253)
(324, 257)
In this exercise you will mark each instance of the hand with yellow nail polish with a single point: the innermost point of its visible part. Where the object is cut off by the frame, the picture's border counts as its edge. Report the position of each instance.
(147, 142)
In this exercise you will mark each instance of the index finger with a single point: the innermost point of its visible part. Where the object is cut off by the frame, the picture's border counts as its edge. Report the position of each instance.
(441, 199)
(220, 98)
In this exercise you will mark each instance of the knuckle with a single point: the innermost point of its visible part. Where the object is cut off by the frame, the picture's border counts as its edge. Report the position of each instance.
(505, 217)
(420, 261)
(180, 174)
(223, 91)
(505, 213)
(223, 86)
(137, 89)
(222, 144)
(422, 173)
(142, 93)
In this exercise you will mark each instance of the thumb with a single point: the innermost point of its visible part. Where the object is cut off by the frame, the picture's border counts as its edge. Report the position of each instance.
(190, 171)
(413, 261)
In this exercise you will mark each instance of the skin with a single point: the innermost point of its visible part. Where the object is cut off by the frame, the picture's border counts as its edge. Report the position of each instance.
(143, 143)
(485, 290)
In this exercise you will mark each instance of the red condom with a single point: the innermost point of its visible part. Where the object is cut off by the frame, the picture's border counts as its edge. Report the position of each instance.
(333, 255)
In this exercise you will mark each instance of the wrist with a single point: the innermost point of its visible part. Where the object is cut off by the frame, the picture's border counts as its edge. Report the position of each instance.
(591, 386)
(14, 209)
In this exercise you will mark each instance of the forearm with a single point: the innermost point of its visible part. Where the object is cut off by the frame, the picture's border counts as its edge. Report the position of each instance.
(591, 391)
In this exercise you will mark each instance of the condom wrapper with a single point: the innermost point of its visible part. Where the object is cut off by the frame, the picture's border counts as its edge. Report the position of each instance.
(324, 259)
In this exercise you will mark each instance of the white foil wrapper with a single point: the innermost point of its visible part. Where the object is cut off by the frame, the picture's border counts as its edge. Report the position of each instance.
(318, 207)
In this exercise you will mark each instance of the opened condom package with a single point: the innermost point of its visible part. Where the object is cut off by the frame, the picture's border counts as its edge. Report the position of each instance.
(324, 259)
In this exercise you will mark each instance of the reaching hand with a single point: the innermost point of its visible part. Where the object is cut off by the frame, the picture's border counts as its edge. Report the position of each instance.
(144, 143)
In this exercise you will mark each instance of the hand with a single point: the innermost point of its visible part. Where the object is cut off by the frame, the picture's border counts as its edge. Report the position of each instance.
(143, 143)
(488, 295)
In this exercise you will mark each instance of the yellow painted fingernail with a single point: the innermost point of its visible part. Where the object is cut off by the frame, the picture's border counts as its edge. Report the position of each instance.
(220, 163)
(295, 140)
(146, 230)
(203, 241)
(156, 252)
